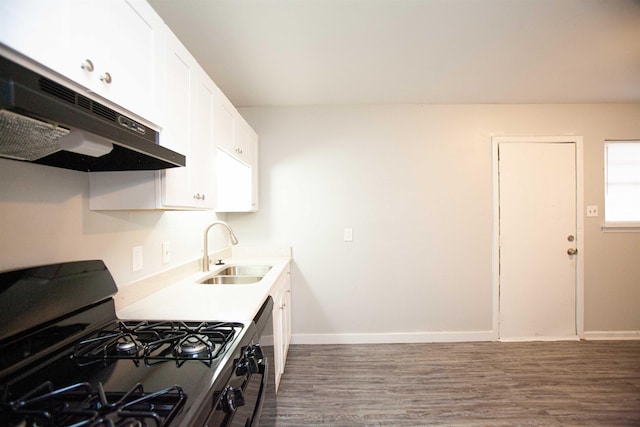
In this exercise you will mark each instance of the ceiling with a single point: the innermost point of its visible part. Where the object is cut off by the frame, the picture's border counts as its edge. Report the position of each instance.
(310, 52)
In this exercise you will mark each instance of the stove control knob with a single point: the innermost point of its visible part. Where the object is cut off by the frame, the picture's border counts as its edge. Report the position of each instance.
(248, 364)
(257, 352)
(241, 367)
(232, 399)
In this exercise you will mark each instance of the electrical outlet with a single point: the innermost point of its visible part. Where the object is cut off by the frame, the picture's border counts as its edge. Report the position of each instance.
(592, 211)
(166, 252)
(136, 254)
(348, 235)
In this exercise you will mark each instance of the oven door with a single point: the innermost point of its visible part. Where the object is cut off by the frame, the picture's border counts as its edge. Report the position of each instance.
(265, 414)
(241, 402)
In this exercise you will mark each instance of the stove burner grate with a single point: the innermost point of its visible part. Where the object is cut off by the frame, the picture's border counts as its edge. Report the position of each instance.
(79, 406)
(156, 342)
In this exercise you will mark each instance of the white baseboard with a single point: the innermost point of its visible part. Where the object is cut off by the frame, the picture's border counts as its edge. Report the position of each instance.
(433, 337)
(612, 335)
(537, 338)
(393, 338)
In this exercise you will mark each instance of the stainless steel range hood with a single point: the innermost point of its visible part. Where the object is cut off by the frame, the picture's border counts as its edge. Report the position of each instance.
(45, 122)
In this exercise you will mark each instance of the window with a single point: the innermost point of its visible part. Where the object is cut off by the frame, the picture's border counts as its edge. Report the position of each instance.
(622, 183)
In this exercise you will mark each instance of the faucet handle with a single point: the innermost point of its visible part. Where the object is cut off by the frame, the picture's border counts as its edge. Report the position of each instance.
(219, 262)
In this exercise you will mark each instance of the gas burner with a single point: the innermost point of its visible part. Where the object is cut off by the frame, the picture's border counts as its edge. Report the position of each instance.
(194, 346)
(108, 344)
(126, 346)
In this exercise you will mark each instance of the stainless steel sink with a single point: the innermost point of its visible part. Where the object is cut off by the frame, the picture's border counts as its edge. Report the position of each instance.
(245, 270)
(231, 280)
(238, 275)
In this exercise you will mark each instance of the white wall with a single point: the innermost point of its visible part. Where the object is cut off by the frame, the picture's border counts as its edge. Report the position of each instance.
(414, 183)
(45, 218)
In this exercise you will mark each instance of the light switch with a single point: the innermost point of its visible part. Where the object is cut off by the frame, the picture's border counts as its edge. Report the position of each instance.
(137, 258)
(592, 210)
(348, 234)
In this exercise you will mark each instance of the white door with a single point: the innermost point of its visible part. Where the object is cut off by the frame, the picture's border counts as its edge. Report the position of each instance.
(537, 230)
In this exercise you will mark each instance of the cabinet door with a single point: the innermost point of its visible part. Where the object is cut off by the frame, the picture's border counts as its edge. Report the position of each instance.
(253, 162)
(242, 142)
(281, 324)
(237, 170)
(286, 320)
(189, 117)
(25, 25)
(177, 134)
(110, 47)
(189, 130)
(87, 57)
(203, 173)
(115, 47)
(134, 49)
(226, 124)
(278, 339)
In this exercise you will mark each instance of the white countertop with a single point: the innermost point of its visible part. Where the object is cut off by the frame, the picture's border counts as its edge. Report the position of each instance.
(189, 300)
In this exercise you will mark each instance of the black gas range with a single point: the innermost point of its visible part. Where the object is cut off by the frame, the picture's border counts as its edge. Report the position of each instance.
(66, 360)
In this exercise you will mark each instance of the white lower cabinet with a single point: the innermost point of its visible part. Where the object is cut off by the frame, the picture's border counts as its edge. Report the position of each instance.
(190, 103)
(281, 323)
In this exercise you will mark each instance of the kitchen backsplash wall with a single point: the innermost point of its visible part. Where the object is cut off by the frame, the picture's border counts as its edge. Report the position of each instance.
(414, 182)
(45, 218)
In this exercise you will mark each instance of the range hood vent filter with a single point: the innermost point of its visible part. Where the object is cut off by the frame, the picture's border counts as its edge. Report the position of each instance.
(16, 129)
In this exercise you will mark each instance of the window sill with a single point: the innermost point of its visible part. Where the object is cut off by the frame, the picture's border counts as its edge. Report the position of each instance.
(621, 227)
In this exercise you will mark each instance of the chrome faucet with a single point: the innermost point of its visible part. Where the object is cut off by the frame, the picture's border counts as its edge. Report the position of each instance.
(232, 237)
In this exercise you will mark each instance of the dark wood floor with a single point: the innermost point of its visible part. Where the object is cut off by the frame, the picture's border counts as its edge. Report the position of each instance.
(588, 383)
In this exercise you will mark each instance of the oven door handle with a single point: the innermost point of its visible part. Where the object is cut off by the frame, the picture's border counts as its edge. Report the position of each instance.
(264, 373)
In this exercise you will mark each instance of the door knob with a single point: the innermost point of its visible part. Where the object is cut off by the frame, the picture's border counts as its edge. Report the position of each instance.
(572, 251)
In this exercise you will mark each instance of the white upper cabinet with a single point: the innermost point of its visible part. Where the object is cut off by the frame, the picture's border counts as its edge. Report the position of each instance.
(189, 97)
(38, 29)
(253, 147)
(237, 164)
(226, 119)
(190, 129)
(122, 51)
(110, 47)
(122, 41)
(234, 133)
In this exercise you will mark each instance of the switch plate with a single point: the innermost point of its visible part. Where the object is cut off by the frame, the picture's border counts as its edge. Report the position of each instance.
(592, 211)
(136, 254)
(348, 235)
(166, 252)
